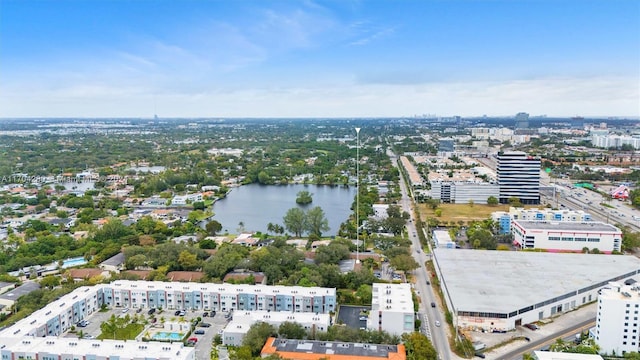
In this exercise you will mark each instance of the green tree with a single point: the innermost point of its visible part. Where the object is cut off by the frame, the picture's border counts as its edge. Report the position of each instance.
(316, 222)
(257, 335)
(295, 221)
(404, 263)
(418, 347)
(50, 281)
(188, 261)
(304, 197)
(213, 227)
(492, 200)
(332, 253)
(292, 330)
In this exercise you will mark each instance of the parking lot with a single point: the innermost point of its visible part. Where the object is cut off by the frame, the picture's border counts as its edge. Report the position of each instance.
(351, 316)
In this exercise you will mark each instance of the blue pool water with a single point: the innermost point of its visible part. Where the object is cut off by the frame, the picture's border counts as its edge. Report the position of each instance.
(73, 262)
(163, 335)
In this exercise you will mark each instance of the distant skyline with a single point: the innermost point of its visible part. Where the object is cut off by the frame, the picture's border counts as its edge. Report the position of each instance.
(378, 58)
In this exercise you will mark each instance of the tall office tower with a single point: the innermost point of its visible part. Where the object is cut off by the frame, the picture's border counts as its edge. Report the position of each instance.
(522, 120)
(518, 177)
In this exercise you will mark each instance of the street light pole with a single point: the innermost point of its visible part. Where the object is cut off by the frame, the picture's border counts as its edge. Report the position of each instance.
(357, 195)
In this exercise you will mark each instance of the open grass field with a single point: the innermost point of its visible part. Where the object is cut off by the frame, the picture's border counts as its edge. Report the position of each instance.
(462, 212)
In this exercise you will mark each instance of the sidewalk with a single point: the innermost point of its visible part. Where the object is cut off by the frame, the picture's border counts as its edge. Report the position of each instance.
(548, 327)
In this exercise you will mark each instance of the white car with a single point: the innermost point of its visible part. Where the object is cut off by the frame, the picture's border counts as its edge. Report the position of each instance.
(125, 310)
(437, 323)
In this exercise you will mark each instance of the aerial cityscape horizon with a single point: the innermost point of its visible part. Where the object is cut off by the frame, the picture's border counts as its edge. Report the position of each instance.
(320, 179)
(319, 59)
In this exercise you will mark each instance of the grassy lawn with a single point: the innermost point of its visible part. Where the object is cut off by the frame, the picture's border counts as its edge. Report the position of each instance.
(464, 212)
(129, 332)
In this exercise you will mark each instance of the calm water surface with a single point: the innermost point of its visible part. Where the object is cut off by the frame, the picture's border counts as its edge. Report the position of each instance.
(257, 205)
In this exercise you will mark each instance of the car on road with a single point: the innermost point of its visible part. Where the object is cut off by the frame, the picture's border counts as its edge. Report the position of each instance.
(87, 336)
(437, 323)
(428, 283)
(480, 355)
(433, 304)
(199, 332)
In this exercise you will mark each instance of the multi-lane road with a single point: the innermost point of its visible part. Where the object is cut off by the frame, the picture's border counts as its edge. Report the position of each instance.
(437, 334)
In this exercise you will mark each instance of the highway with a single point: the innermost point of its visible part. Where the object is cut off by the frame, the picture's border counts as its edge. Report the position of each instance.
(437, 334)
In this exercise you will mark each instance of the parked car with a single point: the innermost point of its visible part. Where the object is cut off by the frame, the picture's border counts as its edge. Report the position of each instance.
(139, 310)
(531, 326)
(205, 314)
(204, 324)
(151, 311)
(199, 332)
(125, 310)
(480, 355)
(176, 313)
(362, 318)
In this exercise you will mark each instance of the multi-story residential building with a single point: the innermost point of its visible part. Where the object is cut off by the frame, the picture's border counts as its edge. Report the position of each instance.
(617, 328)
(516, 213)
(556, 236)
(617, 141)
(34, 336)
(235, 331)
(518, 177)
(463, 192)
(219, 297)
(58, 317)
(391, 309)
(53, 348)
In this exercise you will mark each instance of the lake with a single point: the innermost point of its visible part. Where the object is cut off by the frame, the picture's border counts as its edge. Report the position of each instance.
(257, 205)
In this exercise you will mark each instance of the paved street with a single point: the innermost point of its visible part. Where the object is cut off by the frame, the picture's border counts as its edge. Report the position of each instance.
(437, 334)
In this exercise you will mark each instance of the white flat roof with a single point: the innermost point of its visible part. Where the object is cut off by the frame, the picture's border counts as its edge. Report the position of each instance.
(221, 288)
(591, 226)
(125, 350)
(392, 297)
(506, 281)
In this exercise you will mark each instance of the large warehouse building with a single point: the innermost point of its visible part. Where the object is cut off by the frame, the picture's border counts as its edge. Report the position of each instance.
(499, 290)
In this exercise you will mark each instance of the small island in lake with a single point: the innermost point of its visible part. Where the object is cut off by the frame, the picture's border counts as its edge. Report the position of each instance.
(304, 198)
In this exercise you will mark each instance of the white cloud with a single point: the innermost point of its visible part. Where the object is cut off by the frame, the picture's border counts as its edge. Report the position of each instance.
(601, 96)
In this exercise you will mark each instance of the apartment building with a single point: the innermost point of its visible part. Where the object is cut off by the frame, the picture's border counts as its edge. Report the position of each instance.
(235, 331)
(556, 236)
(518, 177)
(617, 327)
(53, 348)
(219, 297)
(391, 309)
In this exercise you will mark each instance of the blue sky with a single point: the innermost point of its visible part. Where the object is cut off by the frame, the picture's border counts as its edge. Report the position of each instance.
(206, 58)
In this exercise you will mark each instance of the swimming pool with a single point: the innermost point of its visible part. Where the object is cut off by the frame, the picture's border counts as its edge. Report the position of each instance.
(165, 335)
(73, 262)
